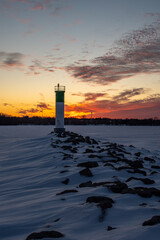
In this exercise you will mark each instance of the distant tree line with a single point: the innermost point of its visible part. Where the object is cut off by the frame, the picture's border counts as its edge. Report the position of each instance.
(7, 120)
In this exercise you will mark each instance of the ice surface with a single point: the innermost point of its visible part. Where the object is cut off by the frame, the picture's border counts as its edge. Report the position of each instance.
(32, 170)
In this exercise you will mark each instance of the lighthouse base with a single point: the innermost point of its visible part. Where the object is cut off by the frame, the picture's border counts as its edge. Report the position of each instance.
(59, 130)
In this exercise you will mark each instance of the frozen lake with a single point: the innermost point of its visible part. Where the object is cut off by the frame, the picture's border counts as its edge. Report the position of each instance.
(140, 136)
(32, 173)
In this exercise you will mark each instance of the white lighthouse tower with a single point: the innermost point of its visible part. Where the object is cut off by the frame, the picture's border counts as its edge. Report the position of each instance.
(59, 123)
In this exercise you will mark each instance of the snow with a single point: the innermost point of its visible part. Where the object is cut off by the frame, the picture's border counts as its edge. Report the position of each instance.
(31, 175)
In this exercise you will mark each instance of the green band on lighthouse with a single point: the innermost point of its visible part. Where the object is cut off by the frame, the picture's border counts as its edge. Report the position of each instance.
(60, 96)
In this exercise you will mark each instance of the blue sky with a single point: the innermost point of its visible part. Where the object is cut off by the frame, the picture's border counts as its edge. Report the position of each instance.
(99, 48)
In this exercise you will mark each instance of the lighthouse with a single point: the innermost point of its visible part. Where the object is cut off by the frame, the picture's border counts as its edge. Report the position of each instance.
(59, 108)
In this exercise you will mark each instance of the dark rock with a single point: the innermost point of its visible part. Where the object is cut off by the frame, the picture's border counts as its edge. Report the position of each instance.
(44, 234)
(67, 156)
(144, 180)
(138, 171)
(86, 172)
(86, 184)
(137, 154)
(72, 140)
(95, 184)
(66, 181)
(153, 172)
(147, 180)
(102, 202)
(64, 171)
(146, 192)
(94, 156)
(143, 204)
(61, 135)
(109, 165)
(136, 164)
(57, 220)
(149, 159)
(89, 164)
(67, 147)
(120, 155)
(88, 140)
(58, 142)
(47, 226)
(101, 150)
(53, 145)
(154, 220)
(123, 168)
(155, 166)
(67, 191)
(73, 150)
(89, 151)
(119, 187)
(110, 228)
(94, 141)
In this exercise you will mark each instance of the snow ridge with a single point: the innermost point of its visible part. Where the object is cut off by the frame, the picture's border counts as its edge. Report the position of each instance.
(79, 188)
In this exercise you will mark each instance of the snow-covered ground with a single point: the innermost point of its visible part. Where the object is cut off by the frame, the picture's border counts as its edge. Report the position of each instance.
(35, 167)
(140, 136)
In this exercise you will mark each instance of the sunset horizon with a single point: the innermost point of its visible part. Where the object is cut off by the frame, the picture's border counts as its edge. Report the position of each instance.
(106, 54)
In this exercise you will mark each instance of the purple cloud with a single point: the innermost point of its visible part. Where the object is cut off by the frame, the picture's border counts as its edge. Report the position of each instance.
(136, 52)
(127, 94)
(9, 60)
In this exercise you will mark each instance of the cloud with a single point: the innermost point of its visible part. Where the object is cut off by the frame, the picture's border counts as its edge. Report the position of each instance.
(136, 52)
(90, 96)
(15, 60)
(44, 106)
(39, 65)
(123, 105)
(39, 107)
(70, 39)
(127, 94)
(8, 105)
(150, 14)
(57, 10)
(37, 6)
(31, 110)
(24, 21)
(93, 96)
(10, 60)
(140, 113)
(56, 49)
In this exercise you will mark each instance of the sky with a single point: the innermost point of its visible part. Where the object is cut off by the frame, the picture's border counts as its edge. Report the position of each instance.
(105, 52)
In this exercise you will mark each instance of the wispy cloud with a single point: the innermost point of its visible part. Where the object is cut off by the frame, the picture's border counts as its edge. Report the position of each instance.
(8, 105)
(90, 96)
(16, 60)
(127, 103)
(136, 52)
(39, 107)
(37, 6)
(39, 65)
(70, 38)
(43, 106)
(24, 21)
(25, 112)
(127, 94)
(57, 10)
(11, 60)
